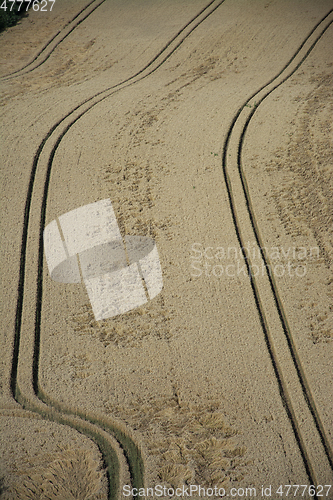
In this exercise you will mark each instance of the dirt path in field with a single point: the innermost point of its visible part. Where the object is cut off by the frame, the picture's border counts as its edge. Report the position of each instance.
(208, 126)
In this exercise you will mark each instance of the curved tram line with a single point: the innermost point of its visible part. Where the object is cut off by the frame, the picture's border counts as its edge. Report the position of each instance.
(246, 225)
(52, 44)
(95, 428)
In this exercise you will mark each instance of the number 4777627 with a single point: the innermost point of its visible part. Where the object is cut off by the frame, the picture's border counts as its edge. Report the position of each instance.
(304, 490)
(42, 5)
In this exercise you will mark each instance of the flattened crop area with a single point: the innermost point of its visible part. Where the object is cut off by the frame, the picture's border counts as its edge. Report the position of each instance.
(206, 126)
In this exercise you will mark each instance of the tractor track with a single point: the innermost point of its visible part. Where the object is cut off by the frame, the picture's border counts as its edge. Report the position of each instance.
(32, 397)
(55, 41)
(92, 426)
(294, 389)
